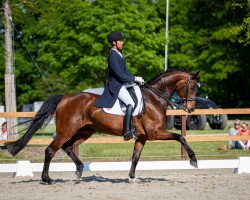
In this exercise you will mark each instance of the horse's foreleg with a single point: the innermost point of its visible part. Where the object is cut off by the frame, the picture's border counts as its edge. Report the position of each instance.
(174, 136)
(190, 152)
(139, 144)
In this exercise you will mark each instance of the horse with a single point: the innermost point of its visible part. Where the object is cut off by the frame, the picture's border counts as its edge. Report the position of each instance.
(77, 119)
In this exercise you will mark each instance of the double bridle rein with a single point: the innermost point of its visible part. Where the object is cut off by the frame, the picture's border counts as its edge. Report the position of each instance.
(167, 96)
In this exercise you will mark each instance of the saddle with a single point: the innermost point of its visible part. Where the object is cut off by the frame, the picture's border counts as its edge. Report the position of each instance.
(119, 107)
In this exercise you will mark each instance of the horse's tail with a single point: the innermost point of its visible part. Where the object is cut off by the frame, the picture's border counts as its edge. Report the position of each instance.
(42, 117)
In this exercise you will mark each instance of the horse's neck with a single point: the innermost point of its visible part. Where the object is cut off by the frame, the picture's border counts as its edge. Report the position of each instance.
(168, 84)
(161, 91)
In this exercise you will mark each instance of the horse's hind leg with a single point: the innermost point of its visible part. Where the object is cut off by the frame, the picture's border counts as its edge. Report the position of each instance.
(49, 154)
(69, 146)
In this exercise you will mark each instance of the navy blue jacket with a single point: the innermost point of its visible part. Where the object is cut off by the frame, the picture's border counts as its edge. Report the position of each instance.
(118, 76)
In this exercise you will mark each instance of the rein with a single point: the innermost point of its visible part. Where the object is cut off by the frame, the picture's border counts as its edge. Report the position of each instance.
(158, 92)
(166, 97)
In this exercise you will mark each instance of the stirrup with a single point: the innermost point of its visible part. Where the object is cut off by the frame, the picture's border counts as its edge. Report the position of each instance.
(130, 134)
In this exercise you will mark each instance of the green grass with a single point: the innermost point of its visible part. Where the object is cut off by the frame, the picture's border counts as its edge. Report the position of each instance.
(123, 152)
(157, 151)
(48, 131)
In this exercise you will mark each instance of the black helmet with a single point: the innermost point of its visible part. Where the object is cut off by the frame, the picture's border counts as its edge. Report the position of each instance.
(114, 36)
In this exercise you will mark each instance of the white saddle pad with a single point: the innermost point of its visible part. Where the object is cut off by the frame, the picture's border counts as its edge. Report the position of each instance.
(116, 109)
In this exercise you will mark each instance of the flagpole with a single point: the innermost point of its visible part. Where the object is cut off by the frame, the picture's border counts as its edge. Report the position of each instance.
(166, 36)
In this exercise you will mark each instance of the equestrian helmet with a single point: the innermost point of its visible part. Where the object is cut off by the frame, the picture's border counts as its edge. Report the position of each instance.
(115, 36)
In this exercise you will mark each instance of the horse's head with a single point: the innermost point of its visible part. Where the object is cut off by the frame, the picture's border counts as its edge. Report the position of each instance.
(186, 89)
(170, 81)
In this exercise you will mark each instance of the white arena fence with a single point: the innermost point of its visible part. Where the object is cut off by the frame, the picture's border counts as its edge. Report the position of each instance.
(25, 168)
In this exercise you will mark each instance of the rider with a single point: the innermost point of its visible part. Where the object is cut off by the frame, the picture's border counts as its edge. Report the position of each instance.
(119, 77)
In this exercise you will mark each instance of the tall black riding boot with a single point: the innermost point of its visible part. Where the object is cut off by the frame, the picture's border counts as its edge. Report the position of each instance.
(128, 129)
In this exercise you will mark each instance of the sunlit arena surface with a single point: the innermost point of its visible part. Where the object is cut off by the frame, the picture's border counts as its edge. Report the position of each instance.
(160, 184)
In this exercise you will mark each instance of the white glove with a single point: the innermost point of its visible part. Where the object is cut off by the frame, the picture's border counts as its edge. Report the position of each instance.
(139, 79)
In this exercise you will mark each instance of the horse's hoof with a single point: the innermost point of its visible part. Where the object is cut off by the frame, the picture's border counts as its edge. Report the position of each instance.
(78, 174)
(134, 180)
(79, 170)
(194, 164)
(48, 181)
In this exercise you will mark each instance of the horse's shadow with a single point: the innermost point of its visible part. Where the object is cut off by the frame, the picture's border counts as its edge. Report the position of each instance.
(102, 179)
(41, 182)
(99, 179)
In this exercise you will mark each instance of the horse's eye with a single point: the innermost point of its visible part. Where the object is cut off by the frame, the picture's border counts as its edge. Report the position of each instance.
(193, 87)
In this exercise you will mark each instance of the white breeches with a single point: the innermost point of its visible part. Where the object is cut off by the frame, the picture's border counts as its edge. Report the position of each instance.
(125, 97)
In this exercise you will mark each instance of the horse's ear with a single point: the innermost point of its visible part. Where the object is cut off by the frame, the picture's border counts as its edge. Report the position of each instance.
(196, 75)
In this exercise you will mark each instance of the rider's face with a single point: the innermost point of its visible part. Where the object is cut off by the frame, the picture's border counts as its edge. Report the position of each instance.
(119, 44)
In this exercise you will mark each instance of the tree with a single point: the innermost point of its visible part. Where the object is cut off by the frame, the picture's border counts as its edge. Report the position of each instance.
(67, 39)
(222, 58)
(211, 36)
(76, 44)
(10, 90)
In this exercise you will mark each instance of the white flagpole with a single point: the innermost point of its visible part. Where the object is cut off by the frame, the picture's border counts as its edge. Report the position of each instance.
(166, 37)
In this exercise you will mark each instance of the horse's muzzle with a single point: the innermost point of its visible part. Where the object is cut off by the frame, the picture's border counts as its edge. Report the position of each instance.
(190, 110)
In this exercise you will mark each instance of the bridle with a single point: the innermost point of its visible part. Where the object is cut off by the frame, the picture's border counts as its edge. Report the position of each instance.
(162, 95)
(187, 85)
(167, 96)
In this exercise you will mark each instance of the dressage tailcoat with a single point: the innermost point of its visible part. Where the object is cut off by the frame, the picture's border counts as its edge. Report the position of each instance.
(118, 76)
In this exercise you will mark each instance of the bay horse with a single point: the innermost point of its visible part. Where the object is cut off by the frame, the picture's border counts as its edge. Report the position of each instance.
(77, 119)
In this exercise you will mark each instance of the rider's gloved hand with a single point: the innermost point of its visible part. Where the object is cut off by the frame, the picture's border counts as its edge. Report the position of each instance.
(139, 79)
